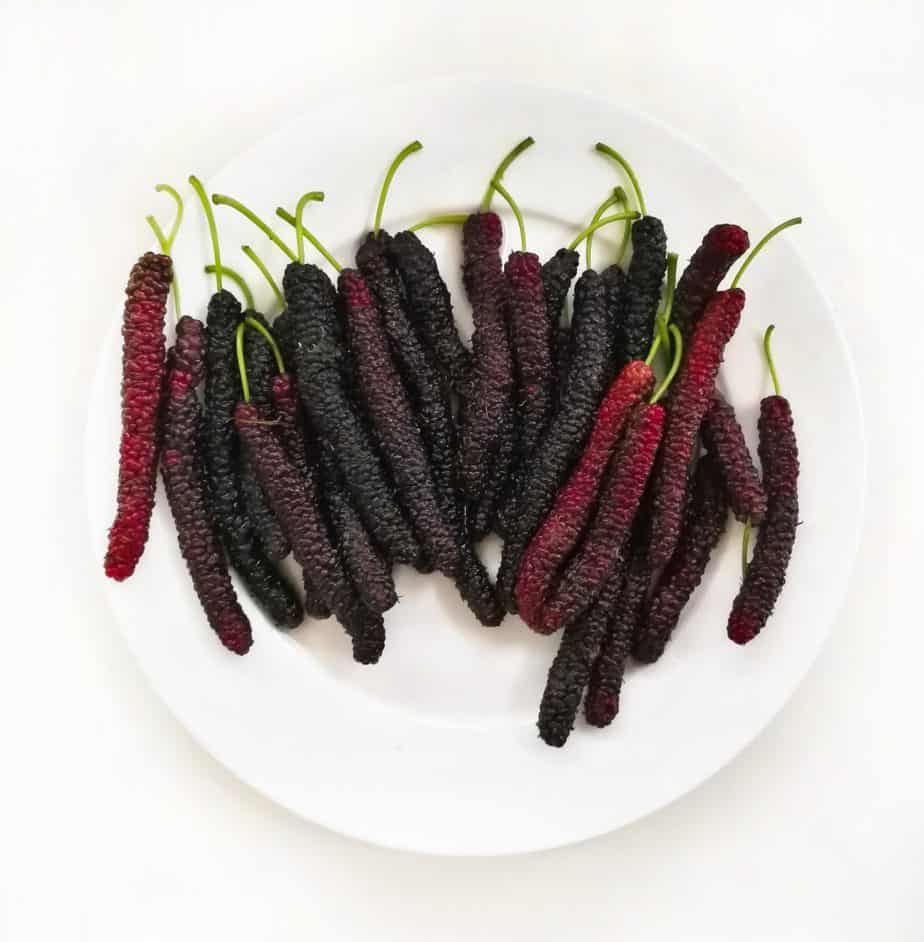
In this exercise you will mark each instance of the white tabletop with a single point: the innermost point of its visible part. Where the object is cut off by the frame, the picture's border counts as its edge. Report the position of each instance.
(113, 823)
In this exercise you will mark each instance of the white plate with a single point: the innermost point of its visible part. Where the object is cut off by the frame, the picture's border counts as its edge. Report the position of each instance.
(435, 749)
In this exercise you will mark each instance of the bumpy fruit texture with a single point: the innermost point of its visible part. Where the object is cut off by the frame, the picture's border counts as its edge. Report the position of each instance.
(704, 522)
(690, 397)
(142, 385)
(430, 307)
(184, 480)
(333, 414)
(393, 426)
(427, 390)
(766, 573)
(721, 247)
(601, 703)
(531, 341)
(560, 532)
(586, 575)
(643, 288)
(557, 274)
(723, 437)
(571, 669)
(589, 376)
(614, 282)
(222, 460)
(486, 419)
(300, 513)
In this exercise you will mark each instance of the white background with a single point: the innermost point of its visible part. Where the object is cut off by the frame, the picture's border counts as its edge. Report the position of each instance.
(113, 823)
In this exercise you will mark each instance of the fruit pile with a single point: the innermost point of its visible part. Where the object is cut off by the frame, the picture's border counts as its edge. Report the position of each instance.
(357, 431)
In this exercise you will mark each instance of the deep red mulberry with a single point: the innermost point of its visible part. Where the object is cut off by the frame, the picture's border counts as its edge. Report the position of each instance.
(587, 573)
(143, 347)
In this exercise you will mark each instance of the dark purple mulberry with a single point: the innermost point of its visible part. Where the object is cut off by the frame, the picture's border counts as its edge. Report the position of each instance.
(704, 521)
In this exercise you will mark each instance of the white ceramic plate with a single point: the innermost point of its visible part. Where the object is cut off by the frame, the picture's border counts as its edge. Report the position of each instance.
(435, 749)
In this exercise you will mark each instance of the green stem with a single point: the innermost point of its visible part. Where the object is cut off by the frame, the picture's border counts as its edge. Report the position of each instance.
(594, 226)
(617, 196)
(502, 169)
(630, 173)
(315, 196)
(795, 221)
(446, 219)
(241, 363)
(768, 356)
(213, 232)
(411, 148)
(745, 547)
(220, 199)
(238, 279)
(663, 318)
(675, 364)
(268, 337)
(166, 242)
(512, 203)
(249, 252)
(289, 218)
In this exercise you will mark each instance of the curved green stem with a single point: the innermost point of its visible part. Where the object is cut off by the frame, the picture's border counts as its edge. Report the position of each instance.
(630, 173)
(677, 338)
(411, 148)
(213, 231)
(178, 218)
(238, 279)
(301, 230)
(617, 196)
(745, 548)
(594, 226)
(165, 247)
(249, 252)
(315, 196)
(241, 363)
(768, 356)
(219, 199)
(512, 203)
(446, 219)
(268, 337)
(502, 169)
(166, 242)
(663, 317)
(795, 221)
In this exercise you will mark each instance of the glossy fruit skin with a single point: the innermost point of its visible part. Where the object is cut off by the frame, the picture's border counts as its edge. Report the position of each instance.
(587, 573)
(531, 341)
(143, 374)
(724, 438)
(486, 446)
(298, 510)
(601, 702)
(643, 288)
(430, 307)
(571, 669)
(328, 402)
(721, 247)
(560, 532)
(766, 573)
(690, 396)
(428, 391)
(222, 461)
(183, 472)
(589, 376)
(704, 522)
